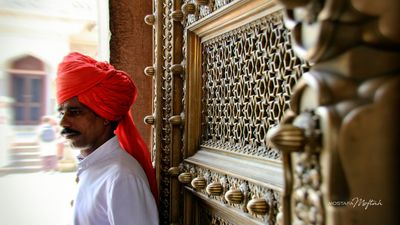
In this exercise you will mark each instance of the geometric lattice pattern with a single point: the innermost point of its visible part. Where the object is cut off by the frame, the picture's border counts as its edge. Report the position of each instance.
(248, 77)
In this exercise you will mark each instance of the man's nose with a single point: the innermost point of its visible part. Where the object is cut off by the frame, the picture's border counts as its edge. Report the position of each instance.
(64, 122)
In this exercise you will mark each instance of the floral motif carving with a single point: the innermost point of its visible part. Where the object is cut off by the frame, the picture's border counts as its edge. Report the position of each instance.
(248, 189)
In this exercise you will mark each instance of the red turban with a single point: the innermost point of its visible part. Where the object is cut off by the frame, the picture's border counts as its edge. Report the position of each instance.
(109, 93)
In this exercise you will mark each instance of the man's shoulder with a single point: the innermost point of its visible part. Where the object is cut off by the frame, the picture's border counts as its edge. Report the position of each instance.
(120, 168)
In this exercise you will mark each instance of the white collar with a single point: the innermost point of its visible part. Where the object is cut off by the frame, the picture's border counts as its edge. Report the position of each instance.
(103, 152)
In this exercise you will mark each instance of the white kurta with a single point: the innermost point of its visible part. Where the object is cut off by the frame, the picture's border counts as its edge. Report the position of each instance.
(113, 189)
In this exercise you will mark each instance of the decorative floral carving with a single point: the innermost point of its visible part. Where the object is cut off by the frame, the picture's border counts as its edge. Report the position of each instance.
(249, 190)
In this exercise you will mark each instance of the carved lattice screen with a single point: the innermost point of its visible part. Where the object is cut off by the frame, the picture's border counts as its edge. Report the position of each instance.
(248, 76)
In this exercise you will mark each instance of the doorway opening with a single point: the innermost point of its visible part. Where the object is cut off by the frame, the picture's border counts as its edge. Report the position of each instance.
(35, 36)
(28, 90)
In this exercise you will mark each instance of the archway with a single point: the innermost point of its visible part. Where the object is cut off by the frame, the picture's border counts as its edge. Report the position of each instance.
(27, 77)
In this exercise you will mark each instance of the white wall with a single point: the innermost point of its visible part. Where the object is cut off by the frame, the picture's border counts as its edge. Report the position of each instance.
(6, 131)
(40, 28)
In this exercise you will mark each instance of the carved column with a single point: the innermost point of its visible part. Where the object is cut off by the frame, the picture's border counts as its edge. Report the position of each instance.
(340, 140)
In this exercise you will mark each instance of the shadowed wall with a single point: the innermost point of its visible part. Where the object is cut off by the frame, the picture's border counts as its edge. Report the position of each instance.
(131, 51)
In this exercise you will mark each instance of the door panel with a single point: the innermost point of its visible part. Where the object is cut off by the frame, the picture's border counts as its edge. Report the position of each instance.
(232, 156)
(27, 90)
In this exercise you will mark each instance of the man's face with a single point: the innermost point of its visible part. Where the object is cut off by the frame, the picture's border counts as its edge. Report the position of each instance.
(81, 126)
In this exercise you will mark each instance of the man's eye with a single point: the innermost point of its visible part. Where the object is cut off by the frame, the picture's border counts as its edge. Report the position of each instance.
(74, 112)
(60, 114)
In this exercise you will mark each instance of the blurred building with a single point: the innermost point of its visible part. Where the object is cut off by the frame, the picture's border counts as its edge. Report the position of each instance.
(34, 37)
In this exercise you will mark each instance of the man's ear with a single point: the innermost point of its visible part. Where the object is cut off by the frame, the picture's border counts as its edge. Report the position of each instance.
(106, 122)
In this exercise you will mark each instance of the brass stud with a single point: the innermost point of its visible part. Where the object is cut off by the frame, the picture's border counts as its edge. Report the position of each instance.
(214, 189)
(149, 71)
(287, 138)
(189, 8)
(177, 69)
(173, 171)
(234, 196)
(150, 19)
(185, 177)
(177, 15)
(176, 120)
(150, 120)
(199, 183)
(258, 206)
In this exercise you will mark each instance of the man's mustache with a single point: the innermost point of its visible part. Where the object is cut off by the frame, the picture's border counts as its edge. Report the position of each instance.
(67, 131)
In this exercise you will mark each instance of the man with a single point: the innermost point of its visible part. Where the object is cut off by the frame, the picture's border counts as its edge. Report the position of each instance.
(47, 139)
(113, 188)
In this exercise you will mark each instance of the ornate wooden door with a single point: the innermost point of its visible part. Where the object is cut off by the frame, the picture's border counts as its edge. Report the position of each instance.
(223, 74)
(230, 93)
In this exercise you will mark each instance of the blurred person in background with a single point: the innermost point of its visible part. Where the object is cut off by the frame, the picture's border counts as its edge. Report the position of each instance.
(48, 144)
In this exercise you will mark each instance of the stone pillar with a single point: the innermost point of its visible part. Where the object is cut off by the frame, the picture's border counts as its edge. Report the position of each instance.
(131, 51)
